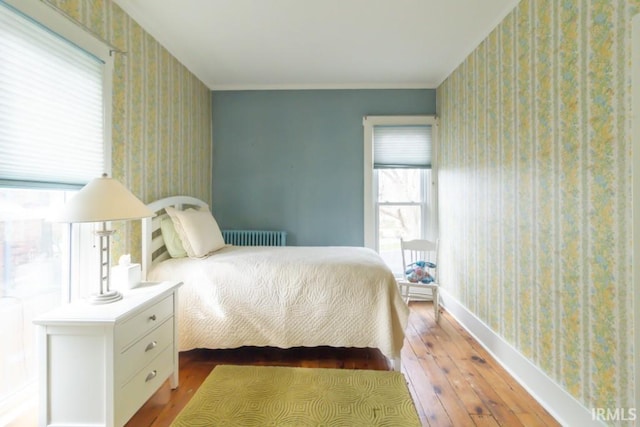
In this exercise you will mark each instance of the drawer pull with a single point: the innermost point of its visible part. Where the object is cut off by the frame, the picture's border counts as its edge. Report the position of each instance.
(151, 376)
(152, 317)
(151, 346)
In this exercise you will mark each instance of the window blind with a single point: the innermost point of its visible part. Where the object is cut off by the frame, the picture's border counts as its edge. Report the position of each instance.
(402, 146)
(51, 107)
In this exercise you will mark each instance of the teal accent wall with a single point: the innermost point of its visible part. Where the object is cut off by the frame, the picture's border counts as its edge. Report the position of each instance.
(293, 159)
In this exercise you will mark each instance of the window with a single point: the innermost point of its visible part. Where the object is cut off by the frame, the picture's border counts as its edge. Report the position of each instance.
(55, 86)
(399, 183)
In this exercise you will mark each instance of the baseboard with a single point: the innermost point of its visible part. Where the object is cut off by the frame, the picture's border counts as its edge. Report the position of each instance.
(560, 404)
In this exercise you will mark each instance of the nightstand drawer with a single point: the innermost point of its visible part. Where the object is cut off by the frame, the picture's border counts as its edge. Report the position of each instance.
(144, 351)
(144, 384)
(139, 325)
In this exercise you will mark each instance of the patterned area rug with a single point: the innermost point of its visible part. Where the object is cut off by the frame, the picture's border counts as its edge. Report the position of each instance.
(279, 396)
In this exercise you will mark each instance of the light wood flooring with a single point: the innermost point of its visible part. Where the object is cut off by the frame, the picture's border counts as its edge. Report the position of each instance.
(453, 380)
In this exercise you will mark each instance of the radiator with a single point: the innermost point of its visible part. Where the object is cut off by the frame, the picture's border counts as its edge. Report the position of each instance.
(255, 237)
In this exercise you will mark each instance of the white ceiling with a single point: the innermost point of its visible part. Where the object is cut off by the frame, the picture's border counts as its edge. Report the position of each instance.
(323, 44)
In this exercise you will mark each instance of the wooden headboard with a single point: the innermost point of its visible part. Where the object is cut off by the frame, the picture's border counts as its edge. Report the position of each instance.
(153, 247)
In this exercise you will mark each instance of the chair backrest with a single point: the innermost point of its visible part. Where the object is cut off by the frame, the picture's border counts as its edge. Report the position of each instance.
(419, 250)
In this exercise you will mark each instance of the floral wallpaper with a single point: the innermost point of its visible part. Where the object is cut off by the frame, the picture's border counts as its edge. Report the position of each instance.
(535, 185)
(161, 125)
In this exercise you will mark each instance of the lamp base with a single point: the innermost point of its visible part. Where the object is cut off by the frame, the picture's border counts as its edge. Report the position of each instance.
(105, 298)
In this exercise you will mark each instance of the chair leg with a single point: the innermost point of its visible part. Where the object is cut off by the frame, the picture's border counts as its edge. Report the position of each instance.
(404, 292)
(436, 303)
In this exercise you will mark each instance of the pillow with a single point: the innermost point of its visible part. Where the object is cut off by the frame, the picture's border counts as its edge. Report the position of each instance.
(171, 239)
(198, 231)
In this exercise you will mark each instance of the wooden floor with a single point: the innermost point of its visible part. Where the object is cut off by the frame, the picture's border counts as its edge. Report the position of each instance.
(452, 379)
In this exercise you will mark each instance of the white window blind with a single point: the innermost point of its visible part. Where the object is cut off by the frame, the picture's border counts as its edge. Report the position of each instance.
(51, 107)
(402, 146)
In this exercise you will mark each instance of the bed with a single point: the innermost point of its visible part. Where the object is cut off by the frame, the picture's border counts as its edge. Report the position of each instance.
(276, 296)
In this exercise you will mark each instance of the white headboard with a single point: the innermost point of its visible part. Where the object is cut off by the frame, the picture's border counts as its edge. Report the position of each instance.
(153, 248)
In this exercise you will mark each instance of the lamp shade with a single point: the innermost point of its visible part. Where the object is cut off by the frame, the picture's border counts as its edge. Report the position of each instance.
(103, 199)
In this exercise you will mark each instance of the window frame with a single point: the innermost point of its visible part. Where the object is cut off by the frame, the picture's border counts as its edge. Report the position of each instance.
(422, 204)
(370, 179)
(77, 277)
(81, 236)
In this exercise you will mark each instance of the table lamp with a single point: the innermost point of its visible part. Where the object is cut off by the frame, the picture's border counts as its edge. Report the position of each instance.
(101, 200)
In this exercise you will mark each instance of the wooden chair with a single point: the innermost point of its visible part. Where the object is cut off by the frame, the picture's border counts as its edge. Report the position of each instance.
(425, 254)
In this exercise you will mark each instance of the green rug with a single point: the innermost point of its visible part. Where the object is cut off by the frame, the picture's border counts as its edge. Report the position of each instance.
(278, 396)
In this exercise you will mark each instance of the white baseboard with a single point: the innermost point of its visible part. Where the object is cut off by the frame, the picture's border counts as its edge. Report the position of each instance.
(560, 404)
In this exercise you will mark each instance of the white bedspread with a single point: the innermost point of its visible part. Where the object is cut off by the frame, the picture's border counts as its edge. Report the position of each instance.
(287, 297)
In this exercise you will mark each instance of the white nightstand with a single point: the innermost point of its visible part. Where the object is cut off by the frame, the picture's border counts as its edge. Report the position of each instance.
(100, 363)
